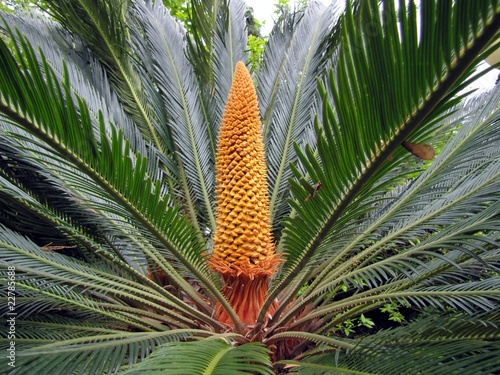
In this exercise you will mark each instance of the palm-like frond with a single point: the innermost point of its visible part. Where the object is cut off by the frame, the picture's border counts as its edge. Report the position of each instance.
(206, 357)
(430, 200)
(102, 26)
(107, 150)
(35, 183)
(101, 353)
(379, 254)
(203, 16)
(363, 129)
(178, 86)
(229, 41)
(459, 344)
(126, 169)
(288, 94)
(65, 278)
(443, 193)
(84, 68)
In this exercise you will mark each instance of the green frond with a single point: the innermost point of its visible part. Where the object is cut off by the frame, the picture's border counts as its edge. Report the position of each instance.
(438, 345)
(470, 297)
(466, 241)
(109, 114)
(432, 194)
(64, 52)
(206, 357)
(440, 275)
(102, 29)
(273, 59)
(375, 108)
(48, 328)
(103, 287)
(96, 305)
(459, 189)
(229, 46)
(120, 174)
(287, 90)
(178, 86)
(97, 354)
(102, 26)
(42, 205)
(203, 16)
(21, 179)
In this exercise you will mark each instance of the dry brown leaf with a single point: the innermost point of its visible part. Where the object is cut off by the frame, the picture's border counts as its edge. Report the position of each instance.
(420, 150)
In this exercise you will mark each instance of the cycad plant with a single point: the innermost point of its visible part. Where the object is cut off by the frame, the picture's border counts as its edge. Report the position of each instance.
(164, 211)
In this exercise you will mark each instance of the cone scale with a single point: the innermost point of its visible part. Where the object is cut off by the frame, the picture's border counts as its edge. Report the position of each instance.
(244, 251)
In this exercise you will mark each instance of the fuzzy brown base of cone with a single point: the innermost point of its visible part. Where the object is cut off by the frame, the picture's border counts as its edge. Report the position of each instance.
(246, 296)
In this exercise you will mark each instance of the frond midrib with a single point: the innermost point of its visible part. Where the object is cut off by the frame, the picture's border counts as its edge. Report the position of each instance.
(194, 149)
(130, 337)
(214, 361)
(288, 139)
